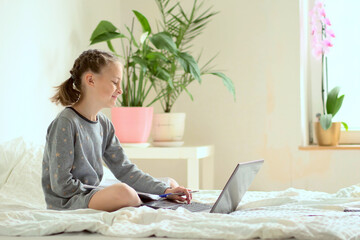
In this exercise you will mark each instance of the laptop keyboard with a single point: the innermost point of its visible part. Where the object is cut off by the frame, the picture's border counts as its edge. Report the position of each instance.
(167, 204)
(196, 207)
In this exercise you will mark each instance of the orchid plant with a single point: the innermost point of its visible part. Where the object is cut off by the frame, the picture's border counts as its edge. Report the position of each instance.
(322, 37)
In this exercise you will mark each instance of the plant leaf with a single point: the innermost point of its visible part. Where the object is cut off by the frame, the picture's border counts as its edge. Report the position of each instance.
(338, 104)
(134, 77)
(107, 37)
(164, 75)
(140, 61)
(110, 46)
(345, 126)
(132, 37)
(143, 21)
(156, 56)
(189, 64)
(331, 99)
(333, 102)
(103, 27)
(326, 121)
(187, 91)
(163, 40)
(143, 37)
(227, 82)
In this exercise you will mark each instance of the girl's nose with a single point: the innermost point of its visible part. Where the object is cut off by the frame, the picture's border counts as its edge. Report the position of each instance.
(119, 90)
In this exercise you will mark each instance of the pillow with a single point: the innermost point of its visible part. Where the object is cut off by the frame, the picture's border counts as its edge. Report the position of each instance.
(20, 176)
(11, 153)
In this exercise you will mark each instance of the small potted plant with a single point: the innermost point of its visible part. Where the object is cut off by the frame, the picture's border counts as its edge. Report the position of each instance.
(326, 131)
(132, 121)
(168, 128)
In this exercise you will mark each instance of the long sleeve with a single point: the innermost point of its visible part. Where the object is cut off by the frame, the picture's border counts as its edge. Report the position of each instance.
(60, 151)
(127, 172)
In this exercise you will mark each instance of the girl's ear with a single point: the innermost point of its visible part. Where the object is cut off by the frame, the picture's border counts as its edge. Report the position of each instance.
(89, 79)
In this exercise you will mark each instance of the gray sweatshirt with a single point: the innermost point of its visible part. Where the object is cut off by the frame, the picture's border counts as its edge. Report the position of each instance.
(74, 153)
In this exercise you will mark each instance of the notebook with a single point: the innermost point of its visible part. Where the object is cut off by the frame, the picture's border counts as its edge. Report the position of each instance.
(229, 198)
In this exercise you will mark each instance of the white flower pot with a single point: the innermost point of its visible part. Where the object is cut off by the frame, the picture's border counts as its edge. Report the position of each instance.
(168, 127)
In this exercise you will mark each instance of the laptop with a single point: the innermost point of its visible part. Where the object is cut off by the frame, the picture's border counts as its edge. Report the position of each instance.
(229, 198)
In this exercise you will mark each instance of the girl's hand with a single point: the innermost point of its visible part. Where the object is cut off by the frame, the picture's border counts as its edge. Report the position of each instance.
(182, 190)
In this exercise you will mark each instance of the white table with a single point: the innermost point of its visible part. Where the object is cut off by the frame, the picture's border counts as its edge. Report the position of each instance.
(192, 155)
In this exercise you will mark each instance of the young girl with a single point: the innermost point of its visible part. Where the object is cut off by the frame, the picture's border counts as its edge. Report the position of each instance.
(81, 137)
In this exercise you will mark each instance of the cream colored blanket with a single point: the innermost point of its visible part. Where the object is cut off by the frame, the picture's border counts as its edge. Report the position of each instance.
(283, 214)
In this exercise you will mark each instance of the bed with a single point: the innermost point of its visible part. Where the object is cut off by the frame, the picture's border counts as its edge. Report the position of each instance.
(292, 213)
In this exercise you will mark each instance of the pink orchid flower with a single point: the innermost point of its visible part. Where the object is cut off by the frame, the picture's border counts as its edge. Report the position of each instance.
(327, 21)
(327, 43)
(322, 12)
(318, 4)
(321, 34)
(317, 53)
(330, 32)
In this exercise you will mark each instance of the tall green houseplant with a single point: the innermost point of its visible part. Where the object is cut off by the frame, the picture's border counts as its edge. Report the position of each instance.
(160, 61)
(143, 59)
(184, 28)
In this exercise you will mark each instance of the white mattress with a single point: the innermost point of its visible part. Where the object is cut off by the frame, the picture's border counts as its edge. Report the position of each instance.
(282, 214)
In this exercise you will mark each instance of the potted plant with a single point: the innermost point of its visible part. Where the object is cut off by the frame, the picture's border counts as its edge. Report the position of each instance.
(168, 128)
(131, 120)
(143, 61)
(327, 132)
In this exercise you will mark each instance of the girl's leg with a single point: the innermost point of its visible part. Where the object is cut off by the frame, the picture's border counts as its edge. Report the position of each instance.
(114, 197)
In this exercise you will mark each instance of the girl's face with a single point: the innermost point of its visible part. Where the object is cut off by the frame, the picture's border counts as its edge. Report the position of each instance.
(108, 84)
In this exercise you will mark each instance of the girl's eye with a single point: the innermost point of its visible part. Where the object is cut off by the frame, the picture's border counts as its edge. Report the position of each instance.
(115, 83)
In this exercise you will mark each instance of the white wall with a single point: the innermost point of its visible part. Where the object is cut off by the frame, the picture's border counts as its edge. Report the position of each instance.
(39, 42)
(259, 44)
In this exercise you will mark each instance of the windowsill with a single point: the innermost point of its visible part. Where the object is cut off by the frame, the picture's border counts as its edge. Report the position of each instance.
(338, 147)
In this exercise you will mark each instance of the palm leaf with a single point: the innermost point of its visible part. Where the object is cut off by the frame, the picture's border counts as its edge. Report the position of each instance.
(227, 82)
(189, 65)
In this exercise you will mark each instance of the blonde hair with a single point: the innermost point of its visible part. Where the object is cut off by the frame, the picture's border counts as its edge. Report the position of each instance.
(70, 90)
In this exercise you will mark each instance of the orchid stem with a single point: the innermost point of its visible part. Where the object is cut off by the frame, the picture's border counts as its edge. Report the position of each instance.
(322, 83)
(327, 79)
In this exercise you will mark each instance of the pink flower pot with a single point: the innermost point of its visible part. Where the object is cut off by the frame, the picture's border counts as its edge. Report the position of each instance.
(132, 124)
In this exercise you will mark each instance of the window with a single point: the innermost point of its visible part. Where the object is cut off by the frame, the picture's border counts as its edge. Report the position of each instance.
(344, 58)
(343, 67)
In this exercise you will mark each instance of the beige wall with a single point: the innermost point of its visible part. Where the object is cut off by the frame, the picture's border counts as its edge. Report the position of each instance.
(258, 42)
(259, 45)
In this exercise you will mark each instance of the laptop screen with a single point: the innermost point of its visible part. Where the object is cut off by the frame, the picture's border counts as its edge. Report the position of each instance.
(236, 187)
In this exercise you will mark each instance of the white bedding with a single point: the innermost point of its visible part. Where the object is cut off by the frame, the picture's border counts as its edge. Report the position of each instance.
(283, 214)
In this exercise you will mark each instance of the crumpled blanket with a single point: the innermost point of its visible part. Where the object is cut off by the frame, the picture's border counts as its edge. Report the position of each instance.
(282, 214)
